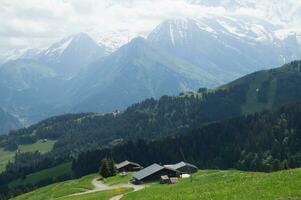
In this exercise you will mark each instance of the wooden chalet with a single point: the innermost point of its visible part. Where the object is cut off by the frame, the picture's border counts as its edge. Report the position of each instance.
(153, 173)
(183, 167)
(127, 166)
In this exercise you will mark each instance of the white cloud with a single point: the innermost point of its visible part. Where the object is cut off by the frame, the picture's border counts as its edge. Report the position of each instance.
(38, 23)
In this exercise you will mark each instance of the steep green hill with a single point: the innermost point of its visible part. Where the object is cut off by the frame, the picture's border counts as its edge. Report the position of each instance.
(271, 88)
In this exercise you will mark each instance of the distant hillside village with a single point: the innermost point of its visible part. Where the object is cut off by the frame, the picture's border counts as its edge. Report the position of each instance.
(166, 174)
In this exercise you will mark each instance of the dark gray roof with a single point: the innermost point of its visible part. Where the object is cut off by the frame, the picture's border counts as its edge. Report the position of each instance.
(125, 163)
(147, 171)
(180, 165)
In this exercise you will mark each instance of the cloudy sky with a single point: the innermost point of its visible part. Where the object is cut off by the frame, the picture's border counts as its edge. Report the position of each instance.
(38, 23)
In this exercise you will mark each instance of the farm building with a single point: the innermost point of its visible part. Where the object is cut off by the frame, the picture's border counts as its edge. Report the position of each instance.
(154, 173)
(127, 166)
(170, 180)
(183, 167)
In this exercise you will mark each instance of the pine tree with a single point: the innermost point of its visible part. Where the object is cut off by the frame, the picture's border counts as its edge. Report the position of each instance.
(112, 167)
(107, 168)
(104, 168)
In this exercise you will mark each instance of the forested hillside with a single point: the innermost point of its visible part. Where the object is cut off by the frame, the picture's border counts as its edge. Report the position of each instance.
(265, 141)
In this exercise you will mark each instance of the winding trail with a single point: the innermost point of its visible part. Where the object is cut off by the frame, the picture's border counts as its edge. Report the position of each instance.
(100, 186)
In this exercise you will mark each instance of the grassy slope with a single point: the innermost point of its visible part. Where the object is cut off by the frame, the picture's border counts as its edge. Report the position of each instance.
(53, 172)
(115, 180)
(38, 146)
(267, 82)
(7, 156)
(62, 189)
(206, 184)
(228, 185)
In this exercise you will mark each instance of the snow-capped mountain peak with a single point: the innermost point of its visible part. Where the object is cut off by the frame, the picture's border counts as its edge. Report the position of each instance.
(58, 48)
(175, 29)
(71, 54)
(240, 27)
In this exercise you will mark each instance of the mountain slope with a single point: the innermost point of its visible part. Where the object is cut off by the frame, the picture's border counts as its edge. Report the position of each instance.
(28, 88)
(271, 88)
(133, 73)
(70, 55)
(34, 82)
(8, 122)
(226, 47)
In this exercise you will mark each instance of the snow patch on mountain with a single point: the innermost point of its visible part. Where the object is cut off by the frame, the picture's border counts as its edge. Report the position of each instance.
(284, 34)
(113, 40)
(12, 55)
(246, 28)
(59, 48)
(204, 26)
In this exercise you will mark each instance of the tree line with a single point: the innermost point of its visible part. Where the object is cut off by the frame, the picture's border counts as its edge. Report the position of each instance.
(265, 141)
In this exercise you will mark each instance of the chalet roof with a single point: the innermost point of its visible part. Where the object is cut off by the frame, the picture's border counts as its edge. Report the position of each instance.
(149, 171)
(180, 165)
(125, 163)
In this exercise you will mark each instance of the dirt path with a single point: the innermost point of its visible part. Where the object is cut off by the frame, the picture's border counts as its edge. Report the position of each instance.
(117, 197)
(135, 187)
(100, 186)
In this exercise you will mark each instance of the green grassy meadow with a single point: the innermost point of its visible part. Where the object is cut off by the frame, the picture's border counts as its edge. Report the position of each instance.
(118, 179)
(231, 185)
(206, 184)
(5, 157)
(62, 191)
(58, 190)
(40, 146)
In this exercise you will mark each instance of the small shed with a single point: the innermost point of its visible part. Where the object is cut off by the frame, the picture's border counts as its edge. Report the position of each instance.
(154, 173)
(183, 167)
(164, 179)
(173, 180)
(127, 166)
(170, 180)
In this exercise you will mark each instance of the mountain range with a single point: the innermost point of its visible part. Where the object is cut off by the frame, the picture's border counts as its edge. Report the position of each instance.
(77, 74)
